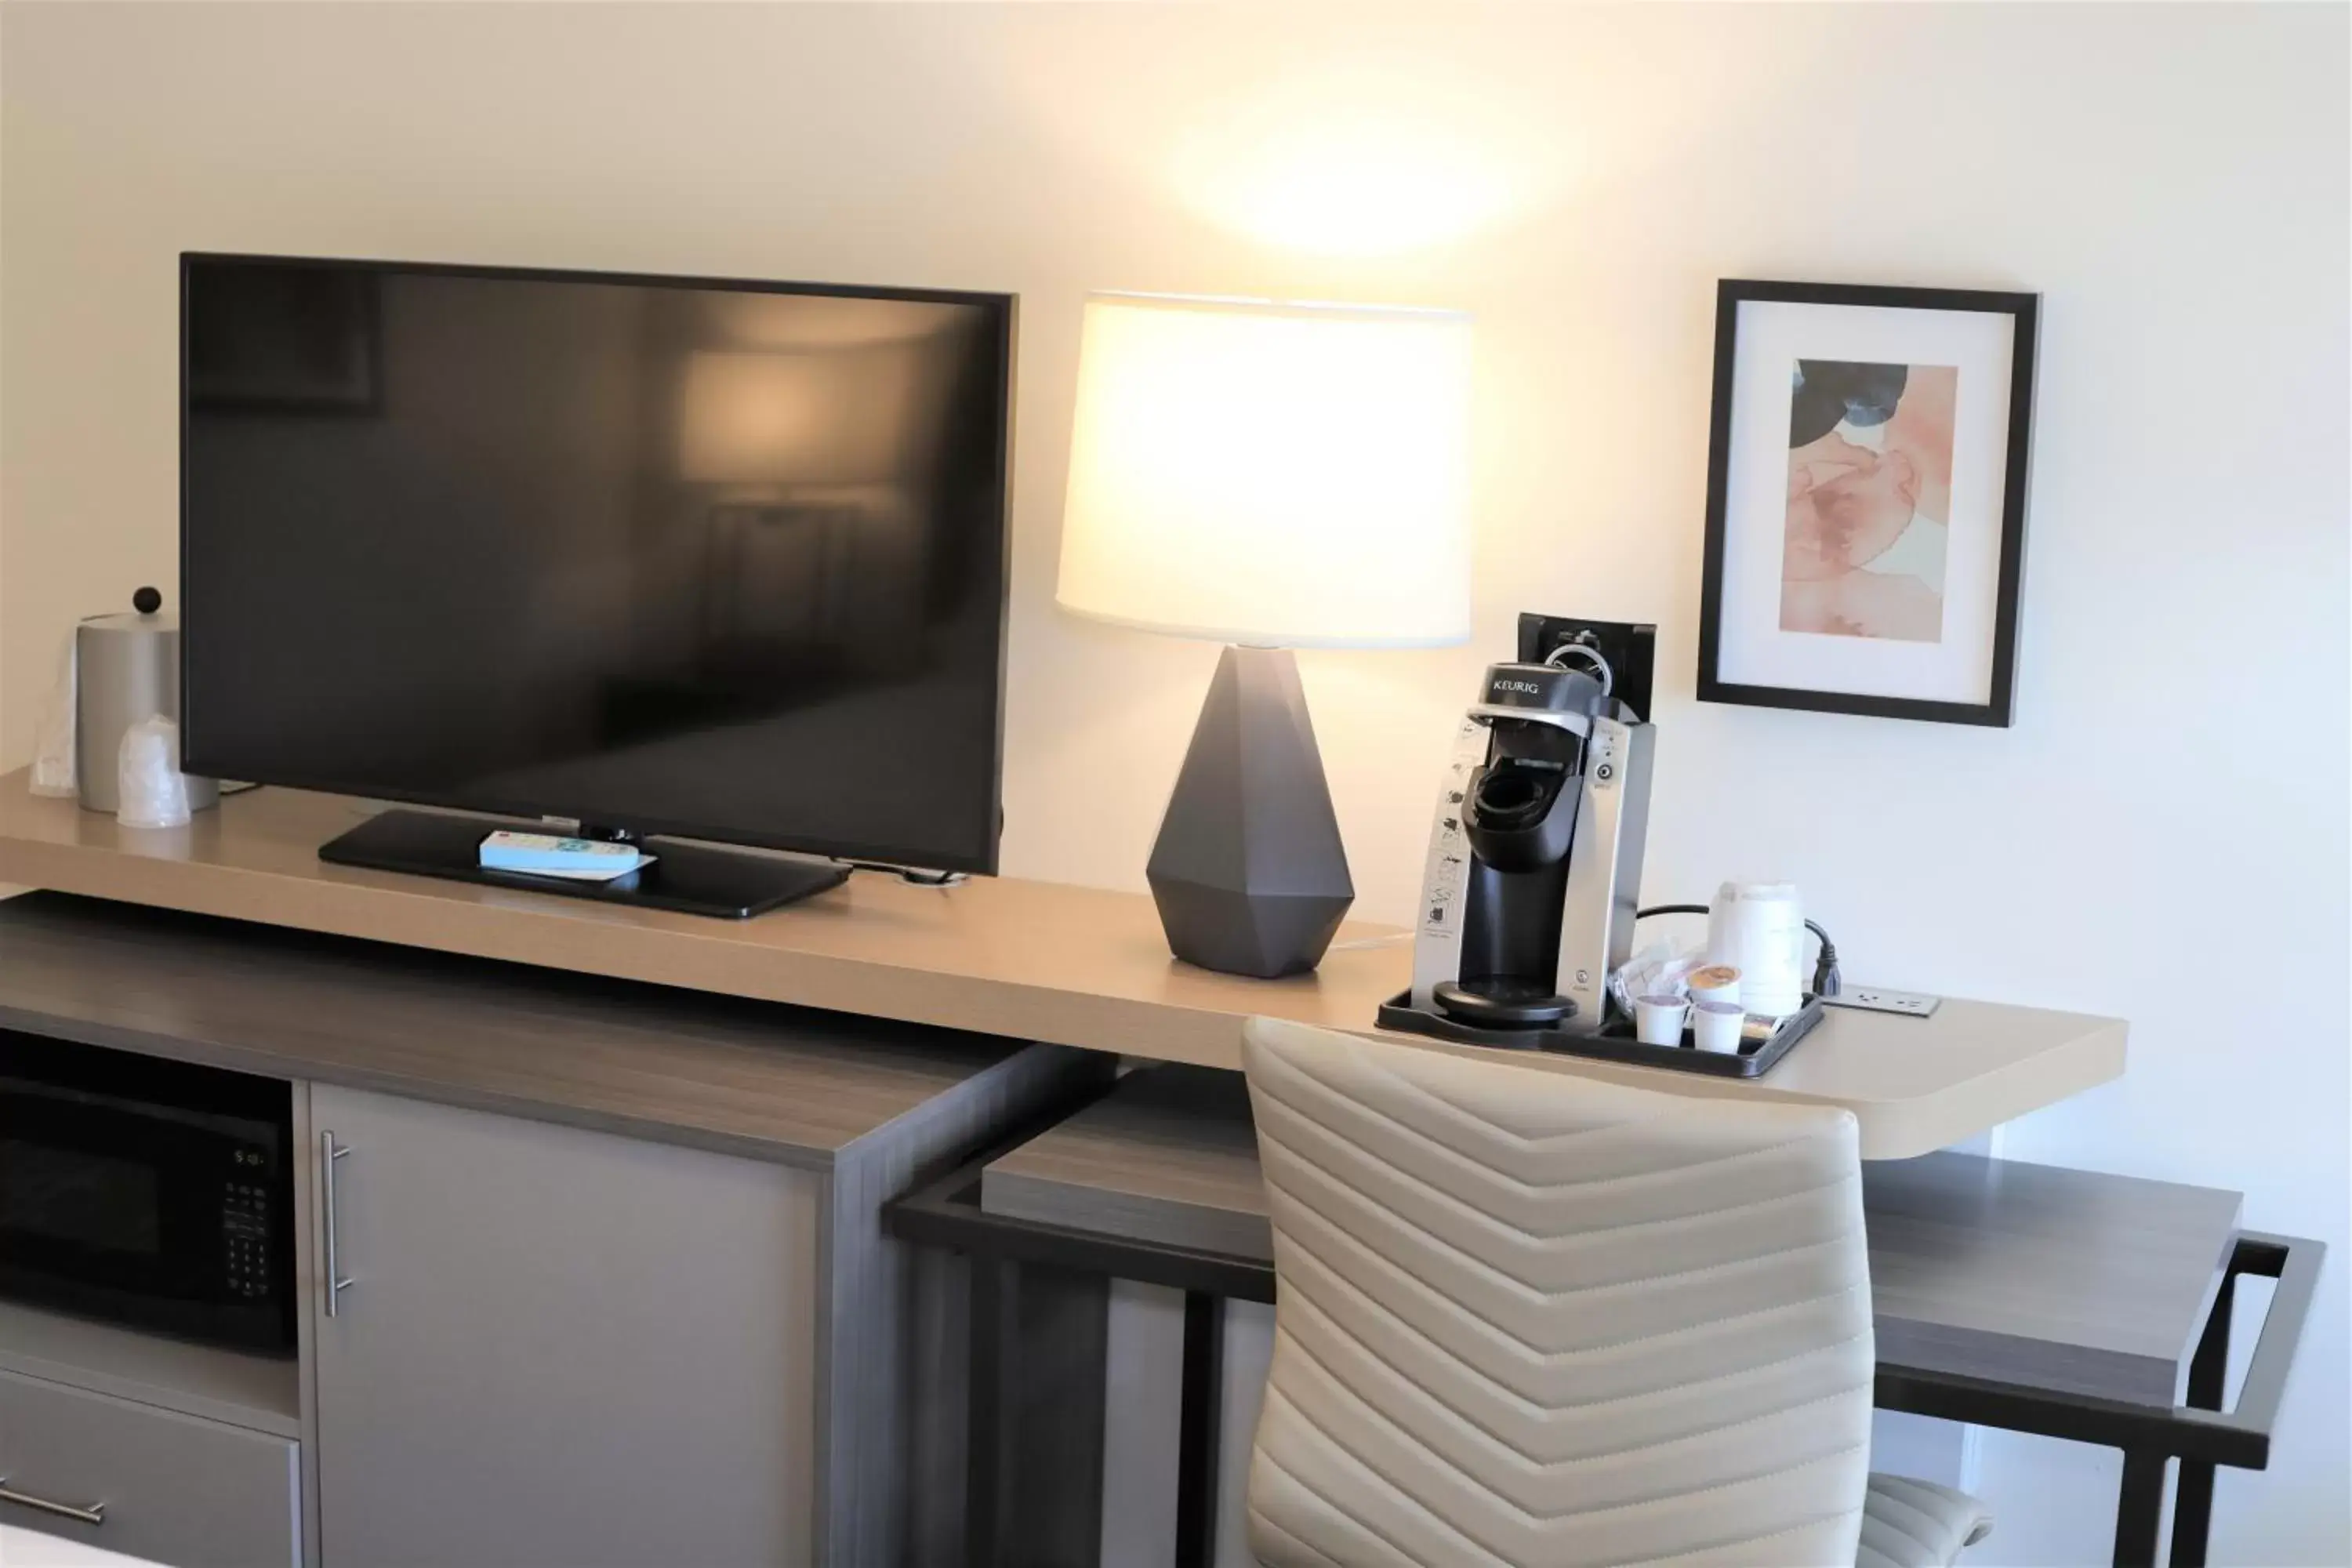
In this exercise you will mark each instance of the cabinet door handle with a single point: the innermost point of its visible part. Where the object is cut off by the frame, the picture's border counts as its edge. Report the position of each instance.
(329, 1151)
(94, 1514)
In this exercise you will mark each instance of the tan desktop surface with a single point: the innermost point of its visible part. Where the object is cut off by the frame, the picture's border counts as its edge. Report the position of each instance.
(1033, 961)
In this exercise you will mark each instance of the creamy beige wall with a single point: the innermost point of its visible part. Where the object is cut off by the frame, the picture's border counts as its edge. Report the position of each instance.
(2169, 813)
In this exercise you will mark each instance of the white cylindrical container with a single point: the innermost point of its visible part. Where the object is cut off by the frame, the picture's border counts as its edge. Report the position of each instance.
(127, 669)
(1758, 927)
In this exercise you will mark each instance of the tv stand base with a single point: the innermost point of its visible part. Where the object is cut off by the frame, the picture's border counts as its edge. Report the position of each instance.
(689, 878)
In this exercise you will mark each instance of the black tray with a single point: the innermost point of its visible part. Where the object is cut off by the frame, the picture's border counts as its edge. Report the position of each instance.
(1613, 1044)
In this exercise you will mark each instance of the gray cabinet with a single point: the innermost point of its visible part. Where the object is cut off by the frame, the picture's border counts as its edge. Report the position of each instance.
(560, 1348)
(146, 1482)
(619, 1292)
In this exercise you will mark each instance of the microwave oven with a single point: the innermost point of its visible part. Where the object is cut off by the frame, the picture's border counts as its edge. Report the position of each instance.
(155, 1195)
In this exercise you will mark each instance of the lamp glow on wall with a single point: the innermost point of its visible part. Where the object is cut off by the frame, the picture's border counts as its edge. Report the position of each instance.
(1271, 477)
(820, 416)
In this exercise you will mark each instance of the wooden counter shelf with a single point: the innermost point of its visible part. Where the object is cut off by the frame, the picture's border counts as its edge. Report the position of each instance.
(1030, 960)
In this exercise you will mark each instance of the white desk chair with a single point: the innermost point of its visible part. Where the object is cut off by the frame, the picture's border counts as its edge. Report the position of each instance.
(1528, 1318)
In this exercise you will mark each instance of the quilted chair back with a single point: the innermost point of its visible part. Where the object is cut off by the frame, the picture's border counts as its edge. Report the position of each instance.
(1525, 1318)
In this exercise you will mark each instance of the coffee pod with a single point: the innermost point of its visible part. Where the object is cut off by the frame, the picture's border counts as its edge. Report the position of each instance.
(1658, 1020)
(1716, 1026)
(1716, 982)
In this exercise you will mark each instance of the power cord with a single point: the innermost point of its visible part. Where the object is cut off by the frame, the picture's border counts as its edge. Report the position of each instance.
(915, 875)
(1826, 980)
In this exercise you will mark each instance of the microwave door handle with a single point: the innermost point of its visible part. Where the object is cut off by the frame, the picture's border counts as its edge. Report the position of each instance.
(329, 1151)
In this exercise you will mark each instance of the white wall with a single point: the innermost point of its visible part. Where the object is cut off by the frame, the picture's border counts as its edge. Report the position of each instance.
(2170, 810)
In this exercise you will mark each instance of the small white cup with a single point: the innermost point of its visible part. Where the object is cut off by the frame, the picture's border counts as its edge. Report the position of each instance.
(1715, 1025)
(1658, 1020)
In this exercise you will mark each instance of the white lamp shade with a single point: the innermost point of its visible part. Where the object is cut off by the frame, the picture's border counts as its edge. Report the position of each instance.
(1288, 476)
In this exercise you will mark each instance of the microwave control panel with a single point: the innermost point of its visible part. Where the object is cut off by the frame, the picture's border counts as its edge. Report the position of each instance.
(245, 1226)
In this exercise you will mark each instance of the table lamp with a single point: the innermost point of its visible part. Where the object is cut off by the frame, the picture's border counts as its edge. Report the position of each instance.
(1272, 477)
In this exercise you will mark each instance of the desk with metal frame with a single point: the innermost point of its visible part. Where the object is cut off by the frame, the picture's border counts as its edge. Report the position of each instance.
(1176, 1204)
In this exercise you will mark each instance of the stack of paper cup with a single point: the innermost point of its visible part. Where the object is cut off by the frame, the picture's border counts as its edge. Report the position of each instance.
(149, 790)
(1758, 927)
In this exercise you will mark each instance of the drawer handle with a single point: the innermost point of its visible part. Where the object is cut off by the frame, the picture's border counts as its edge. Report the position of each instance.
(329, 1151)
(94, 1514)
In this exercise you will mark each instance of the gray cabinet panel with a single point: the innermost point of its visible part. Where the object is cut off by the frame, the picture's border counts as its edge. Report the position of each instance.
(562, 1349)
(252, 1391)
(172, 1487)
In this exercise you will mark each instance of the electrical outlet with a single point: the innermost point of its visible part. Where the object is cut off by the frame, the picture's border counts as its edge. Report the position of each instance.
(1879, 999)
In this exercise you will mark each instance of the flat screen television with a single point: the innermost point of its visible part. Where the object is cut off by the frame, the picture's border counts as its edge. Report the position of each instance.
(720, 561)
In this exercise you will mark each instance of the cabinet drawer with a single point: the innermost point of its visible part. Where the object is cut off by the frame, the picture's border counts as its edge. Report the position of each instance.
(176, 1488)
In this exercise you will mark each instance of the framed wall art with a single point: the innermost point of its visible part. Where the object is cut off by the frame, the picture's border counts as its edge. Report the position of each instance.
(1865, 499)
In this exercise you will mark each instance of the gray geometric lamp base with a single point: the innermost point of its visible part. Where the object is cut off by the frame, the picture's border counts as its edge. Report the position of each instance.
(1249, 870)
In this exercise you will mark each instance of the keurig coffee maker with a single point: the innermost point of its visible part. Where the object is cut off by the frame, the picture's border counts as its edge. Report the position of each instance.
(1535, 848)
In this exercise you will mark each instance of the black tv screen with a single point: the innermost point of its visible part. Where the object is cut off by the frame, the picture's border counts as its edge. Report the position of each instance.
(717, 560)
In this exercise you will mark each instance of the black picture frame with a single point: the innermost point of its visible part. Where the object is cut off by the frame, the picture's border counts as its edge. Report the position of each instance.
(1999, 709)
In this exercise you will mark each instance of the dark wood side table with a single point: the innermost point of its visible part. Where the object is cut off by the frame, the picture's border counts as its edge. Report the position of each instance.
(2065, 1303)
